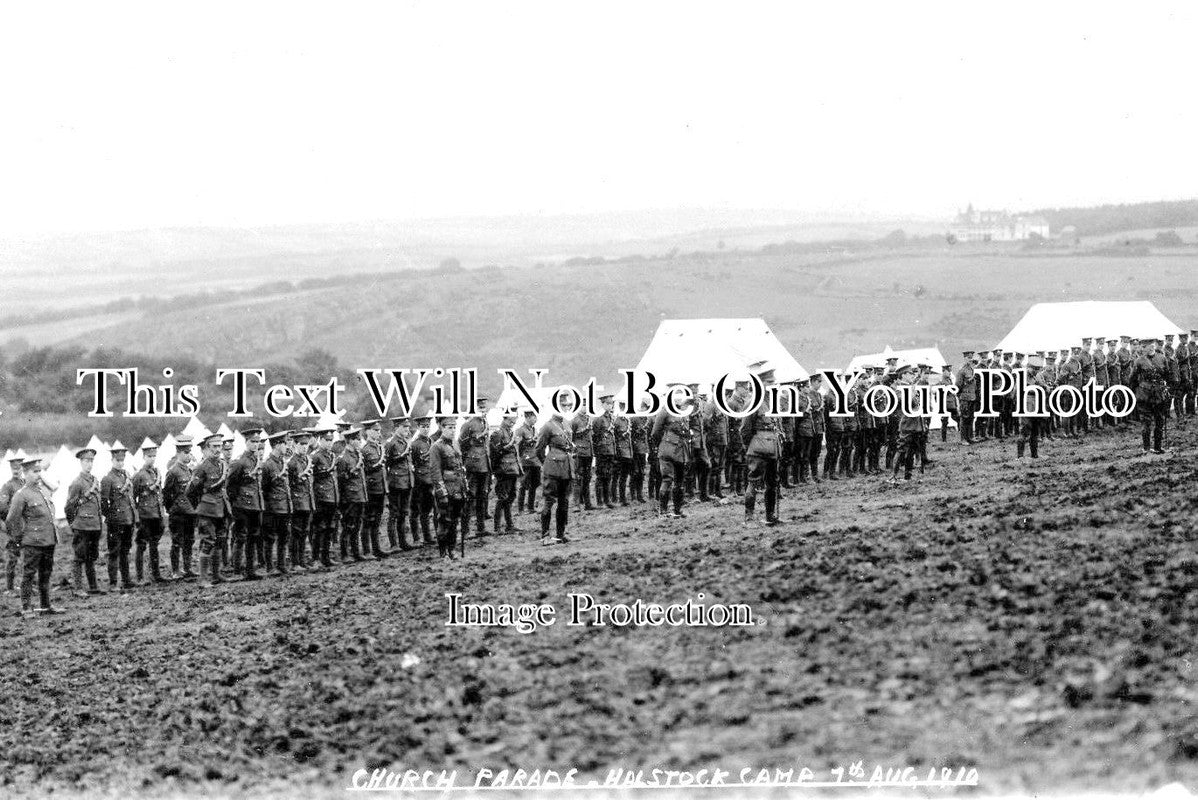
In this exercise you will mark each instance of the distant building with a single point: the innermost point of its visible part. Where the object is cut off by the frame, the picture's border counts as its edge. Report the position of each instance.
(995, 226)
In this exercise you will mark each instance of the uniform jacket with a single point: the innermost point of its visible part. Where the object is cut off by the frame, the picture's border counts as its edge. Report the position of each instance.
(504, 456)
(622, 428)
(698, 436)
(526, 445)
(603, 436)
(7, 492)
(83, 503)
(174, 490)
(966, 384)
(351, 480)
(206, 490)
(1100, 371)
(276, 487)
(555, 449)
(715, 425)
(147, 492)
(245, 482)
(1126, 360)
(325, 488)
(472, 440)
(421, 446)
(1086, 361)
(116, 497)
(1070, 373)
(1148, 379)
(639, 433)
(374, 464)
(913, 422)
(445, 468)
(30, 518)
(398, 457)
(805, 425)
(763, 434)
(673, 437)
(299, 478)
(580, 432)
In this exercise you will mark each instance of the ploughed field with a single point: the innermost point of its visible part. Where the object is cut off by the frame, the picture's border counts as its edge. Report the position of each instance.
(1036, 620)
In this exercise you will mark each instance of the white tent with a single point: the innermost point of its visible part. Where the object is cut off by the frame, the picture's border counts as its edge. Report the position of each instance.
(62, 469)
(703, 350)
(1053, 326)
(920, 355)
(194, 428)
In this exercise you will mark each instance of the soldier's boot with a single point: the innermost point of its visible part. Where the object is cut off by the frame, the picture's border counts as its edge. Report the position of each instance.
(703, 481)
(123, 567)
(508, 525)
(206, 571)
(77, 579)
(326, 543)
(611, 492)
(376, 545)
(401, 533)
(1147, 439)
(238, 558)
(279, 545)
(1158, 437)
(176, 550)
(497, 517)
(364, 536)
(623, 490)
(771, 507)
(425, 533)
(93, 587)
(139, 561)
(1035, 448)
(354, 553)
(1019, 449)
(678, 498)
(155, 568)
(750, 507)
(663, 501)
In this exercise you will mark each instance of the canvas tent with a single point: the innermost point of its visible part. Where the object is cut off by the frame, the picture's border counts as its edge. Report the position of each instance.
(703, 350)
(920, 355)
(1053, 326)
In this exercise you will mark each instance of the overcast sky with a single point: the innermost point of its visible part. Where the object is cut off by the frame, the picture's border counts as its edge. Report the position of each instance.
(127, 116)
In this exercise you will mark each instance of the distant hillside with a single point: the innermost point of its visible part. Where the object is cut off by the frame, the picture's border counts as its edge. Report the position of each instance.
(1163, 214)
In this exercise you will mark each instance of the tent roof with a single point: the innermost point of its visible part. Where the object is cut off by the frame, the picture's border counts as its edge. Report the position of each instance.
(928, 355)
(703, 350)
(1052, 326)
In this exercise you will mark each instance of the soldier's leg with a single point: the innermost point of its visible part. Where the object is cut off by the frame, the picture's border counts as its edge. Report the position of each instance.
(126, 548)
(480, 483)
(500, 492)
(89, 564)
(549, 496)
(267, 531)
(404, 518)
(206, 526)
(562, 518)
(679, 487)
(1158, 432)
(139, 538)
(1034, 440)
(654, 465)
(156, 531)
(757, 469)
(667, 486)
(45, 567)
(78, 560)
(175, 528)
(813, 453)
(771, 490)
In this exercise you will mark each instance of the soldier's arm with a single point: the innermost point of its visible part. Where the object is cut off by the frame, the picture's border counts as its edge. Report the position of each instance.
(15, 521)
(436, 472)
(105, 496)
(542, 443)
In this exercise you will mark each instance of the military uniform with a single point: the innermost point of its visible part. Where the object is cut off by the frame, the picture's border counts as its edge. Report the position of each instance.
(82, 511)
(967, 397)
(699, 464)
(526, 447)
(838, 430)
(1148, 380)
(1030, 427)
(622, 428)
(351, 486)
(603, 441)
(475, 450)
(182, 518)
(303, 503)
(147, 499)
(422, 491)
(763, 434)
(580, 433)
(448, 475)
(555, 450)
(638, 433)
(374, 469)
(505, 460)
(276, 512)
(398, 457)
(245, 495)
(673, 437)
(206, 494)
(30, 522)
(12, 549)
(815, 410)
(805, 433)
(715, 427)
(911, 428)
(116, 504)
(326, 493)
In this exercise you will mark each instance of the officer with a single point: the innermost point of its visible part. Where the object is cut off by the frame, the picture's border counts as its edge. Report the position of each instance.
(206, 493)
(763, 451)
(580, 432)
(638, 432)
(672, 433)
(116, 504)
(449, 477)
(398, 456)
(505, 461)
(181, 513)
(603, 442)
(83, 515)
(1030, 427)
(151, 512)
(326, 495)
(911, 425)
(622, 428)
(245, 495)
(423, 502)
(30, 522)
(276, 504)
(555, 451)
(474, 446)
(967, 396)
(7, 491)
(351, 486)
(526, 447)
(1148, 381)
(303, 499)
(374, 465)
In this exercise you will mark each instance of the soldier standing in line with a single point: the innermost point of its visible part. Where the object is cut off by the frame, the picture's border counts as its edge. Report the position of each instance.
(622, 429)
(1191, 402)
(116, 504)
(555, 451)
(715, 427)
(1172, 370)
(398, 457)
(580, 432)
(474, 447)
(181, 513)
(734, 455)
(83, 515)
(147, 502)
(229, 523)
(1101, 376)
(303, 499)
(639, 433)
(834, 428)
(764, 450)
(245, 496)
(206, 493)
(7, 492)
(374, 466)
(862, 461)
(1152, 395)
(1126, 359)
(326, 493)
(911, 426)
(351, 486)
(653, 463)
(603, 441)
(815, 410)
(1184, 376)
(672, 433)
(967, 397)
(449, 477)
(786, 427)
(952, 407)
(699, 466)
(804, 427)
(276, 505)
(1071, 374)
(526, 448)
(505, 461)
(423, 501)
(1114, 378)
(30, 522)
(1030, 427)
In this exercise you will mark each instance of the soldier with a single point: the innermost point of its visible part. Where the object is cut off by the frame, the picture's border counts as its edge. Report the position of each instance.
(181, 513)
(351, 486)
(762, 433)
(276, 504)
(603, 442)
(1101, 376)
(1191, 400)
(326, 494)
(805, 430)
(786, 427)
(30, 522)
(83, 515)
(639, 434)
(206, 493)
(622, 428)
(715, 427)
(672, 434)
(303, 498)
(7, 491)
(1148, 380)
(475, 449)
(834, 429)
(734, 455)
(449, 477)
(911, 426)
(967, 397)
(1184, 369)
(526, 447)
(815, 410)
(147, 501)
(1172, 368)
(555, 451)
(423, 501)
(374, 466)
(699, 466)
(505, 460)
(1030, 427)
(398, 455)
(116, 504)
(580, 432)
(245, 496)
(863, 422)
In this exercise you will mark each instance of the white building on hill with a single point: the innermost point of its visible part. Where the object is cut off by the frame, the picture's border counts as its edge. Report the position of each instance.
(995, 226)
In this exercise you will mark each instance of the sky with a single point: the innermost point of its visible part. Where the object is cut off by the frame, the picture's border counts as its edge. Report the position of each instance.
(126, 116)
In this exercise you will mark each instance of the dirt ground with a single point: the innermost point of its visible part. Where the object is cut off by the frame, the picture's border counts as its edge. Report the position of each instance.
(1035, 620)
